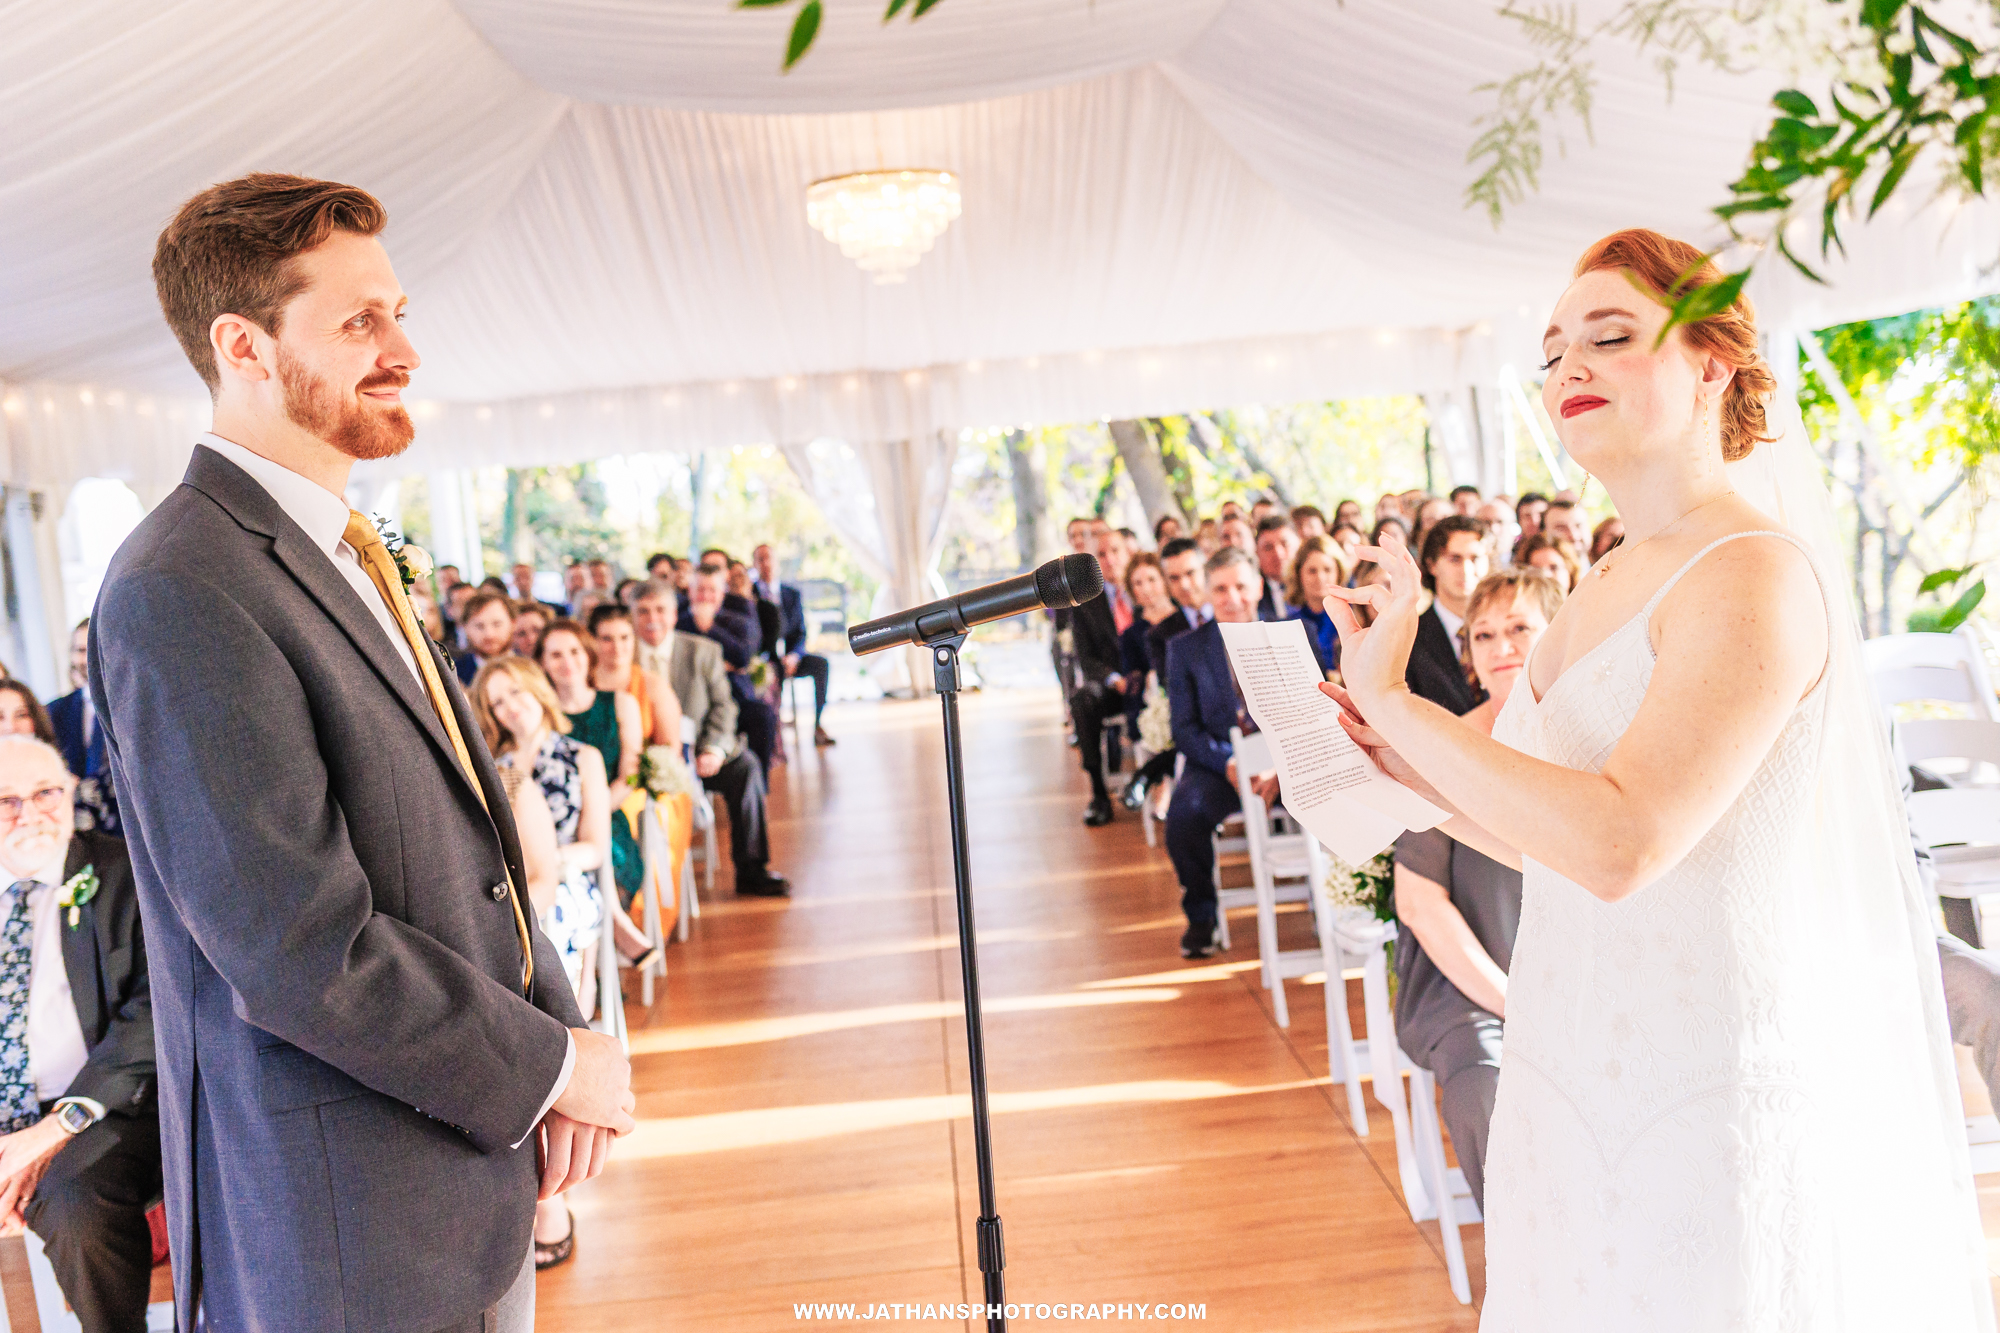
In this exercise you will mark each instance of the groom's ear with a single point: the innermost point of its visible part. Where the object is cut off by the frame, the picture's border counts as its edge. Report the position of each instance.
(243, 351)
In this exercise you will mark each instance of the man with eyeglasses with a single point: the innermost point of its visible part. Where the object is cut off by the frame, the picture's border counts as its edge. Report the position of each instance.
(76, 1045)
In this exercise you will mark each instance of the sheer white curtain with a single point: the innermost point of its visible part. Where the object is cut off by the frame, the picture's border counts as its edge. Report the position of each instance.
(886, 499)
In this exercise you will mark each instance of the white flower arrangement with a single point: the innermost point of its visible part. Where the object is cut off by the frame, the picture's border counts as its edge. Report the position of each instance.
(662, 774)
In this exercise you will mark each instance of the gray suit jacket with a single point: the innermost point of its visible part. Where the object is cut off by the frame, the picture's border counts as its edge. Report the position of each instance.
(345, 1052)
(701, 682)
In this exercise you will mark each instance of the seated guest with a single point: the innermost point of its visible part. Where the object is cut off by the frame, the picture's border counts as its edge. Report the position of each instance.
(601, 579)
(692, 666)
(1528, 511)
(528, 733)
(796, 661)
(529, 622)
(576, 582)
(22, 714)
(1146, 584)
(660, 567)
(606, 720)
(737, 636)
(618, 669)
(1465, 500)
(1235, 530)
(1348, 511)
(79, 1109)
(1554, 556)
(1350, 540)
(1453, 561)
(1099, 692)
(523, 576)
(1167, 528)
(1183, 564)
(1383, 525)
(1208, 537)
(1309, 522)
(1113, 558)
(1314, 573)
(1565, 518)
(1429, 512)
(1262, 508)
(770, 622)
(1206, 704)
(627, 590)
(1460, 910)
(1605, 536)
(1389, 506)
(487, 625)
(73, 724)
(455, 599)
(1498, 516)
(1277, 546)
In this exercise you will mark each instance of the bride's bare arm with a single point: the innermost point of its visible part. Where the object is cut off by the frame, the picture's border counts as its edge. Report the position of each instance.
(1741, 639)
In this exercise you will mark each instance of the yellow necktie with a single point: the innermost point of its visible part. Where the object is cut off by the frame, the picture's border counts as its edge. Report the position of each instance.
(388, 579)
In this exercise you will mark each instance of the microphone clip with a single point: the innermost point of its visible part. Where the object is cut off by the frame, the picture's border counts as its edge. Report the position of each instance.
(944, 660)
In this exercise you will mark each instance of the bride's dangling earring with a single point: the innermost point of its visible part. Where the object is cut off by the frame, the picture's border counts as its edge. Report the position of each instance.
(1583, 491)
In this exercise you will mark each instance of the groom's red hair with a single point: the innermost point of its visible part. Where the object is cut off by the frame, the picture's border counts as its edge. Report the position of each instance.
(1730, 335)
(229, 251)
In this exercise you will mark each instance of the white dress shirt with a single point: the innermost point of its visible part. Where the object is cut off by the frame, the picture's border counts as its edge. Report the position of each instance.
(55, 1037)
(322, 516)
(1452, 624)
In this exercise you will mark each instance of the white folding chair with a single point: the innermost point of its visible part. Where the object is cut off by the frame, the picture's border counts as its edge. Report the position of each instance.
(610, 995)
(1951, 668)
(1282, 855)
(53, 1308)
(1430, 1189)
(704, 823)
(1274, 857)
(1963, 752)
(654, 851)
(1962, 828)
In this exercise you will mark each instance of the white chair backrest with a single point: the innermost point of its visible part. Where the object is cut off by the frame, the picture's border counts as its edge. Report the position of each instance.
(1950, 738)
(1905, 668)
(1956, 818)
(1253, 752)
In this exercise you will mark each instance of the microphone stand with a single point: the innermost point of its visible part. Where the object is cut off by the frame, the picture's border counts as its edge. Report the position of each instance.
(992, 1254)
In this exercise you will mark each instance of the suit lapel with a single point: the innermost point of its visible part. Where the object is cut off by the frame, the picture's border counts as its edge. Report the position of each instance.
(252, 506)
(81, 961)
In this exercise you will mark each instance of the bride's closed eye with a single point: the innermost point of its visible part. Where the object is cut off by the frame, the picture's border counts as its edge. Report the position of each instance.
(1614, 341)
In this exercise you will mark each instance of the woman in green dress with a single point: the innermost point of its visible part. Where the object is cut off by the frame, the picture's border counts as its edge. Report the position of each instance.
(607, 720)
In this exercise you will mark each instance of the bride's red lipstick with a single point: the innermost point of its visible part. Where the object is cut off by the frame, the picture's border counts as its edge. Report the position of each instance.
(1583, 402)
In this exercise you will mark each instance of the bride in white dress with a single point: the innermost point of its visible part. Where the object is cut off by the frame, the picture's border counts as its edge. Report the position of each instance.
(1727, 1100)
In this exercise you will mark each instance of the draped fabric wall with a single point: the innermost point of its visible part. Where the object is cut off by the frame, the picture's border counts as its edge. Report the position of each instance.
(597, 209)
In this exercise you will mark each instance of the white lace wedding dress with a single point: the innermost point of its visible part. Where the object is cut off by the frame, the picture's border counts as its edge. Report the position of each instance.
(1677, 1133)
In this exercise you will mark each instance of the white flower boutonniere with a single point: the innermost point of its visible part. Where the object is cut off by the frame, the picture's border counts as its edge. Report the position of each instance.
(412, 562)
(77, 890)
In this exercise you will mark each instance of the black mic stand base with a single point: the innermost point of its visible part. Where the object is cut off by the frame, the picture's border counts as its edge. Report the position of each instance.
(992, 1250)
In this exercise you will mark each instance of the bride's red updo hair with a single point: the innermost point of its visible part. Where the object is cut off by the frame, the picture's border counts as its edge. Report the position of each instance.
(1730, 335)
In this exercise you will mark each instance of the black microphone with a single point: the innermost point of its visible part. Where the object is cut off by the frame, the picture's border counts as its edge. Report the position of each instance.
(1059, 583)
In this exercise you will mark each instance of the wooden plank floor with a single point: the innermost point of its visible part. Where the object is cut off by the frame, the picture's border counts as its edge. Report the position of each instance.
(804, 1131)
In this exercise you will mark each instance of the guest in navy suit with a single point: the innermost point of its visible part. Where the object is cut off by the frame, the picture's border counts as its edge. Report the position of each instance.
(487, 623)
(1277, 546)
(792, 627)
(738, 634)
(73, 722)
(1453, 560)
(1206, 704)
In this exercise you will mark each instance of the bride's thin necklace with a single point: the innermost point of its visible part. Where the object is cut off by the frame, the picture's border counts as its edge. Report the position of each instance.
(1603, 565)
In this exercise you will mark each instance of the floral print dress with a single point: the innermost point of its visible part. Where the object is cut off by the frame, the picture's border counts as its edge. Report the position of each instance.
(574, 919)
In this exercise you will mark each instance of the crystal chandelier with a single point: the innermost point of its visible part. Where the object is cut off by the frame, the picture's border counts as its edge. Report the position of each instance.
(884, 220)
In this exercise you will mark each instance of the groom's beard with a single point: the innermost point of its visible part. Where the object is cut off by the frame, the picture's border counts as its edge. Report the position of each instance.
(313, 405)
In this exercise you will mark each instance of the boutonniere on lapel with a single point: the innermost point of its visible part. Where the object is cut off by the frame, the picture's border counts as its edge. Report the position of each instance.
(77, 890)
(412, 562)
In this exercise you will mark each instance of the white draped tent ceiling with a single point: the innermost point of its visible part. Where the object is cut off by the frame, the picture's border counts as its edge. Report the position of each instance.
(597, 207)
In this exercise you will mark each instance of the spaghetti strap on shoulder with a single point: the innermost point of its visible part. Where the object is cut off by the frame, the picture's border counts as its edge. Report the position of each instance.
(1652, 603)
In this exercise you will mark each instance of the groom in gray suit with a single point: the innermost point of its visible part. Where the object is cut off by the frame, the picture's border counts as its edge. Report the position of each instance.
(368, 1054)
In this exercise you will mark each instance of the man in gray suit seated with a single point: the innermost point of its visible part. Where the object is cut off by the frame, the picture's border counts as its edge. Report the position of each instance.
(364, 1043)
(79, 1115)
(693, 666)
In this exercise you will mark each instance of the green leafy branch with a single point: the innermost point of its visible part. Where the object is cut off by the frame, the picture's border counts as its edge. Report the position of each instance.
(805, 28)
(1945, 619)
(1563, 80)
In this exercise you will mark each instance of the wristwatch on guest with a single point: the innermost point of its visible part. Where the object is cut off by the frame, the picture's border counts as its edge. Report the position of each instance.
(76, 1114)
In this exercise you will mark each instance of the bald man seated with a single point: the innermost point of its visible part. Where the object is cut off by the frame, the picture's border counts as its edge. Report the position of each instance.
(79, 1113)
